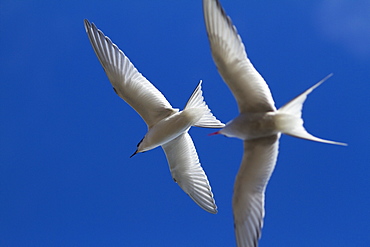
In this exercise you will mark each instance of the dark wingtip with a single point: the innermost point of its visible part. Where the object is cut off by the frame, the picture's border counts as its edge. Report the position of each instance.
(87, 23)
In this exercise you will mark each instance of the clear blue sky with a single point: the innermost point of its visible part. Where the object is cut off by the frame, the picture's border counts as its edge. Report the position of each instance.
(66, 178)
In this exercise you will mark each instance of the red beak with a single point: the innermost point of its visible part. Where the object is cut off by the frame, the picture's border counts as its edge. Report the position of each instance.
(214, 133)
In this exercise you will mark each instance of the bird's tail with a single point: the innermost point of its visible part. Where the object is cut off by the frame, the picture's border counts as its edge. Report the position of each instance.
(289, 117)
(196, 100)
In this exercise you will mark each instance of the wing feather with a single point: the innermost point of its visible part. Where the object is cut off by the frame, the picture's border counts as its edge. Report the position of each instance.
(258, 163)
(247, 85)
(126, 80)
(187, 172)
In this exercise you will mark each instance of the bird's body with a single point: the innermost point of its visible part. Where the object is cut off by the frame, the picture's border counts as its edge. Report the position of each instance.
(167, 127)
(259, 123)
(248, 126)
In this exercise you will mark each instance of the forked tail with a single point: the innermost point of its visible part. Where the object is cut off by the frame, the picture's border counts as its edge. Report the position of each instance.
(289, 117)
(208, 120)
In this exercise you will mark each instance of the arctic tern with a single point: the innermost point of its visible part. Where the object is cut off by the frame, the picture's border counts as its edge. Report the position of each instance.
(167, 127)
(259, 123)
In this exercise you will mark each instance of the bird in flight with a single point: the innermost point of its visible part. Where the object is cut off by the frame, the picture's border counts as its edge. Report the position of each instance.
(259, 123)
(167, 127)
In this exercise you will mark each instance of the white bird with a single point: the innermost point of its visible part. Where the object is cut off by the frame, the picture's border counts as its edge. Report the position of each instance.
(259, 124)
(167, 127)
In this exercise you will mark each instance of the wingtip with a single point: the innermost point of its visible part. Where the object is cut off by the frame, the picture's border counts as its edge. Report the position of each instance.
(213, 211)
(87, 24)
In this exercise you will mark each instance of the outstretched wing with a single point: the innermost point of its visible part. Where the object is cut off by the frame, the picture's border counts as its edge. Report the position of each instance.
(258, 163)
(187, 172)
(247, 85)
(126, 80)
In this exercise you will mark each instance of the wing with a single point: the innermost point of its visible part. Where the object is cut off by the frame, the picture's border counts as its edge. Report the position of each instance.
(126, 80)
(187, 171)
(258, 163)
(247, 85)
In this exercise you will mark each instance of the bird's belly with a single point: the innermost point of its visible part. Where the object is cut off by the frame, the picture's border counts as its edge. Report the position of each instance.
(168, 129)
(251, 126)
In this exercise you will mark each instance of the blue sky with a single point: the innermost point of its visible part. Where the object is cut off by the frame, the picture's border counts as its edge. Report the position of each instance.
(66, 178)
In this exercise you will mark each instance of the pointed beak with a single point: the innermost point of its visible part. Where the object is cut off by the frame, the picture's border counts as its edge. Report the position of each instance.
(134, 154)
(214, 133)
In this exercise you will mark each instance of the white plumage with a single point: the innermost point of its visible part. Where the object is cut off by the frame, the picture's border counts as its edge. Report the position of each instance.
(259, 124)
(167, 127)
